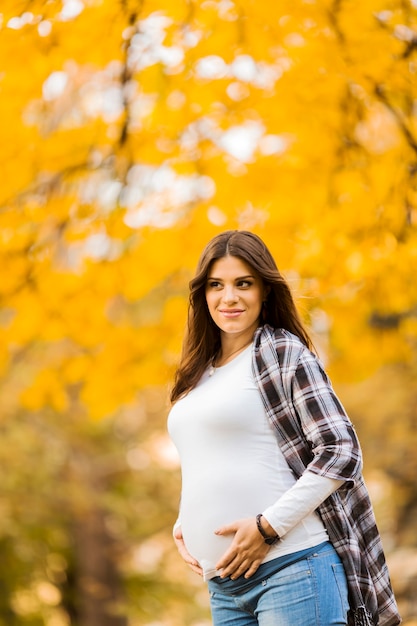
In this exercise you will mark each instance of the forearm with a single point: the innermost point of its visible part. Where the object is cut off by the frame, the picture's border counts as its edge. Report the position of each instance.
(299, 501)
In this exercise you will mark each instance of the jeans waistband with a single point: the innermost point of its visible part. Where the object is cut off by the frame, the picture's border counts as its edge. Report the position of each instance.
(265, 570)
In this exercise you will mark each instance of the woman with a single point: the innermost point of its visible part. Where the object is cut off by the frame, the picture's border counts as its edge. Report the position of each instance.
(274, 511)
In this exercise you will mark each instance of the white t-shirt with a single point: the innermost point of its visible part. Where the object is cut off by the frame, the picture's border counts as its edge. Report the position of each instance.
(232, 468)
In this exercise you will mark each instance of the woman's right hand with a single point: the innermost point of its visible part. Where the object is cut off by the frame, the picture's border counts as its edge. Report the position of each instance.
(190, 560)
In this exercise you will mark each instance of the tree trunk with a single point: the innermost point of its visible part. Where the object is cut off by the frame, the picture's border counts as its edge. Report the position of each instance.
(97, 585)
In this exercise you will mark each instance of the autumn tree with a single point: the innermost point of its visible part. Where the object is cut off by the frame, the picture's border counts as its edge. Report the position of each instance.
(131, 132)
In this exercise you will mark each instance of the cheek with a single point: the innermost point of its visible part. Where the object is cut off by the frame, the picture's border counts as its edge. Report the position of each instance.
(210, 301)
(258, 301)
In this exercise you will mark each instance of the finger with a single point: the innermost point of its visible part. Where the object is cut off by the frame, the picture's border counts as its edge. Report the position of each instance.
(232, 569)
(188, 558)
(197, 569)
(194, 565)
(192, 562)
(235, 570)
(252, 569)
(226, 530)
(179, 541)
(226, 561)
(240, 565)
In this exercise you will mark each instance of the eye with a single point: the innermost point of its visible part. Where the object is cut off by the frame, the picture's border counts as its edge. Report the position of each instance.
(213, 284)
(244, 284)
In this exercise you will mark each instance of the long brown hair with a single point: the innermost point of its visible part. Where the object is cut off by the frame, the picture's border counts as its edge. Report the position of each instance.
(202, 339)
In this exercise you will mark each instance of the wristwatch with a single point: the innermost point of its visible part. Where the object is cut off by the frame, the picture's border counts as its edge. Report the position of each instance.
(269, 540)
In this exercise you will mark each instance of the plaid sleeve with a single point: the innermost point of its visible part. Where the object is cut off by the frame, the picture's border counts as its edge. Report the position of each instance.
(324, 422)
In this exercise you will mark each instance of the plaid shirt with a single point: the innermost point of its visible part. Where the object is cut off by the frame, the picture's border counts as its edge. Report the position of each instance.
(314, 432)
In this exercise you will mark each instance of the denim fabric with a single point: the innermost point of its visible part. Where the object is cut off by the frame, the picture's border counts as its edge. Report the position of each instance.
(310, 592)
(265, 570)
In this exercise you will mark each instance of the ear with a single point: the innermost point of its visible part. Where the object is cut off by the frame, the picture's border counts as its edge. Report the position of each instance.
(267, 291)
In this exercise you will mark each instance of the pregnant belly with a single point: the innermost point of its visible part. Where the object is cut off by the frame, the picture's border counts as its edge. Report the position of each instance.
(202, 542)
(209, 505)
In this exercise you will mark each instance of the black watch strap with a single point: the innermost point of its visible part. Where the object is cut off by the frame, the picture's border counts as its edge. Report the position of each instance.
(269, 540)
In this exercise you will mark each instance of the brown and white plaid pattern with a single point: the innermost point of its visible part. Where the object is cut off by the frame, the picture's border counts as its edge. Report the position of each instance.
(314, 432)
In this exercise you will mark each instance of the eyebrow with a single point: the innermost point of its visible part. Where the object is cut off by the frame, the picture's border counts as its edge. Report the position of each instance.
(238, 278)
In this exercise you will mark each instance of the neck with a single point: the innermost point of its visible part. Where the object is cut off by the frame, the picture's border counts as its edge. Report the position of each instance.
(226, 354)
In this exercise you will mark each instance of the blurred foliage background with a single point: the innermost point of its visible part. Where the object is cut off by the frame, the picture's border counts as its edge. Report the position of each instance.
(131, 132)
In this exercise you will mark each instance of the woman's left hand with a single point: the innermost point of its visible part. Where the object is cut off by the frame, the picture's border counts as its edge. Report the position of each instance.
(247, 551)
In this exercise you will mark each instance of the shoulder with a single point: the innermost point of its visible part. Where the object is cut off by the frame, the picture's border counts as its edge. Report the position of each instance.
(280, 349)
(276, 351)
(279, 338)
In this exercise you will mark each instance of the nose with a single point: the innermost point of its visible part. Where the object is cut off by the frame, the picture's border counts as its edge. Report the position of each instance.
(230, 294)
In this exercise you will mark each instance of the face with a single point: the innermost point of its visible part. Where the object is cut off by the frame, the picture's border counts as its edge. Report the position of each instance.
(234, 295)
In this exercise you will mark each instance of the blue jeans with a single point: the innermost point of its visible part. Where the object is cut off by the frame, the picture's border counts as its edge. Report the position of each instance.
(310, 592)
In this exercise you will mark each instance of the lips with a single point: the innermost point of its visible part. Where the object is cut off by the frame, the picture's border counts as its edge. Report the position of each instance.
(231, 313)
